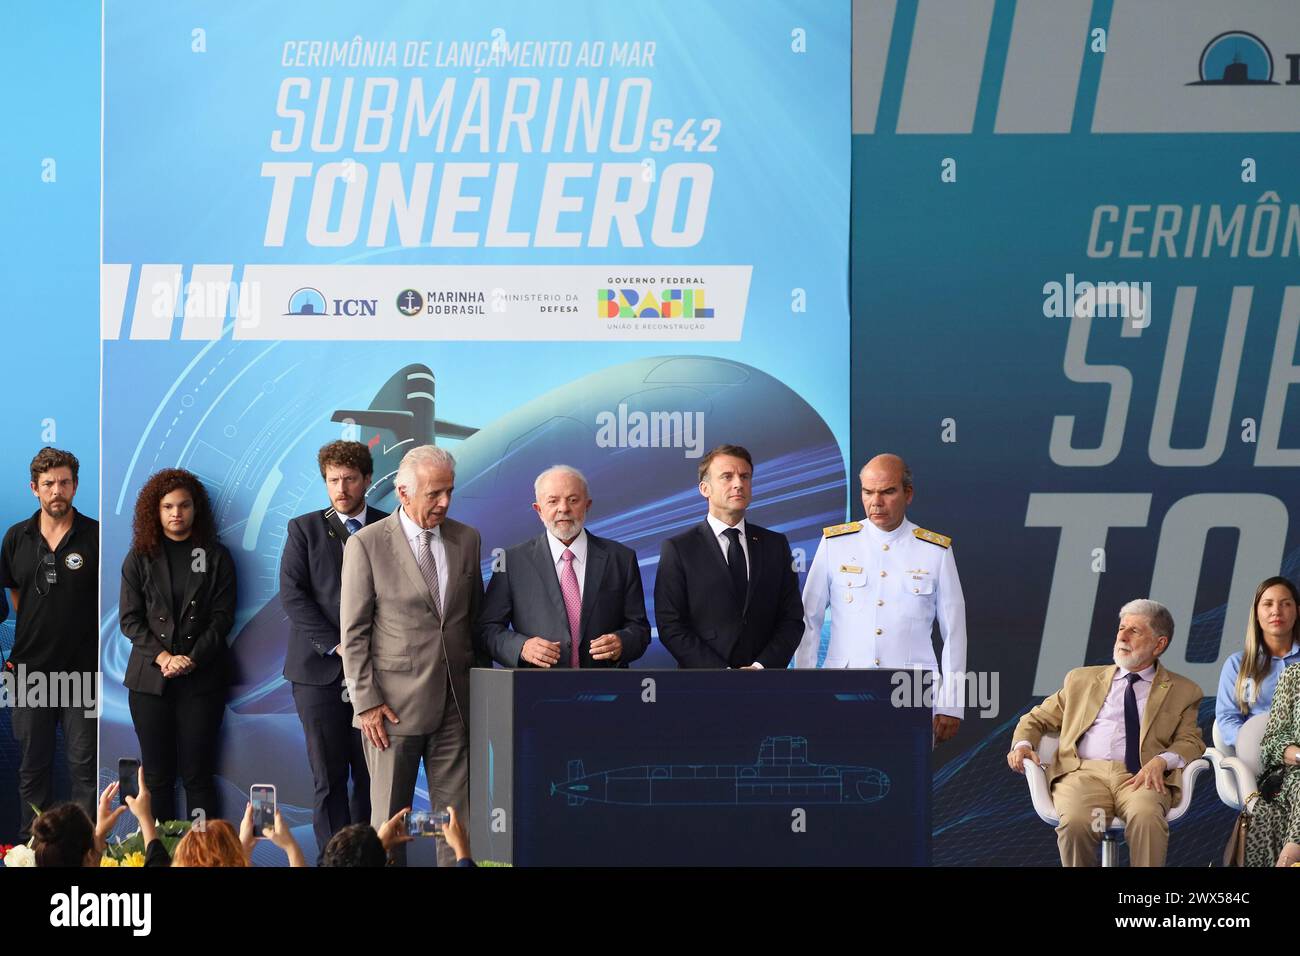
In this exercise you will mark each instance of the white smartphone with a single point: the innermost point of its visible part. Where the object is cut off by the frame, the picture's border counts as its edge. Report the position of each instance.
(262, 796)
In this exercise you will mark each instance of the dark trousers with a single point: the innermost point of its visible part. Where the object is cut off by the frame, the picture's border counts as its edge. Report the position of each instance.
(178, 731)
(34, 730)
(334, 752)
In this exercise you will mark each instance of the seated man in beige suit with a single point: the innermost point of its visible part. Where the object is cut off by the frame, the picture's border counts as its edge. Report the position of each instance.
(410, 596)
(1126, 731)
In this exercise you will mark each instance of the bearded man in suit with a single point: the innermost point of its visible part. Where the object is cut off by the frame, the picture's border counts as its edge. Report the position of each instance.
(311, 571)
(1127, 730)
(566, 598)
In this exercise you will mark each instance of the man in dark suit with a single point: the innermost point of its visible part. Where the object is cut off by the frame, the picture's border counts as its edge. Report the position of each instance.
(726, 594)
(566, 598)
(310, 574)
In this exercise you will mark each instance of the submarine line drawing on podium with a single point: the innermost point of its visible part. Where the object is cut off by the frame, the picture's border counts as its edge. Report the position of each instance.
(781, 774)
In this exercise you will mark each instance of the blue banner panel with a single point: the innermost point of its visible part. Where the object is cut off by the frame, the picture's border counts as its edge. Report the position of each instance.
(1075, 314)
(49, 245)
(530, 235)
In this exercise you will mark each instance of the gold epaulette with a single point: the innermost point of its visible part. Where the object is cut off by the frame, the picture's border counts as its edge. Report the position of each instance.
(836, 530)
(942, 540)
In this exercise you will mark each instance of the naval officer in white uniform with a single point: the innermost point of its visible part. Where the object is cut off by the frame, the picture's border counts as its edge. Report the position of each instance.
(886, 581)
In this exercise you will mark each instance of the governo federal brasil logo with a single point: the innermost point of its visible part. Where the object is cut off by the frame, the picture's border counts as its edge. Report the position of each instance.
(309, 302)
(1239, 58)
(658, 303)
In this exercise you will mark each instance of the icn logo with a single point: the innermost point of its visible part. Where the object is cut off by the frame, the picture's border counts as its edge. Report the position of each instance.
(409, 302)
(1236, 58)
(306, 301)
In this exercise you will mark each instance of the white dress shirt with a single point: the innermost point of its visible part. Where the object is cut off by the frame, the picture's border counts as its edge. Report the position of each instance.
(359, 517)
(579, 549)
(720, 528)
(436, 546)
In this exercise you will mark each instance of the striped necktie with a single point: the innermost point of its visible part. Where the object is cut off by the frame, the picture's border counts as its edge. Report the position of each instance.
(429, 568)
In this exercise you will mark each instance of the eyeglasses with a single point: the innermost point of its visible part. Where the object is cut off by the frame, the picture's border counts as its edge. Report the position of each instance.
(47, 573)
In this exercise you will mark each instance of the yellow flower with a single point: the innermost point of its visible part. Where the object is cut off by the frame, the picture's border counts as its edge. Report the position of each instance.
(107, 861)
(135, 859)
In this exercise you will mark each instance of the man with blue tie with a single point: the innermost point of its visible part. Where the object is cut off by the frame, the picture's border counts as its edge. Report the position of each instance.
(1127, 730)
(311, 571)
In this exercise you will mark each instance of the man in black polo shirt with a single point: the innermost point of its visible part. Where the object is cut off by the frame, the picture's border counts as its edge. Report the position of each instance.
(50, 564)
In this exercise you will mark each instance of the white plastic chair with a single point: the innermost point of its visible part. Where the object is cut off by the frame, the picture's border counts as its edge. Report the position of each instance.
(1040, 794)
(1225, 781)
(1221, 745)
(1236, 774)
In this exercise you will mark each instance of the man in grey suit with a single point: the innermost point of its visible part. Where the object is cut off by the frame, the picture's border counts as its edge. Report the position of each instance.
(566, 598)
(411, 595)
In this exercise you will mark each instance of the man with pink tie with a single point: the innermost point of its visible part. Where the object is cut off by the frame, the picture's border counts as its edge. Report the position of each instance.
(1126, 731)
(566, 598)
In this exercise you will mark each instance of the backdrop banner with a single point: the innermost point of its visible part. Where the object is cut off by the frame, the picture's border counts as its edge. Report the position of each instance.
(609, 237)
(50, 242)
(1075, 312)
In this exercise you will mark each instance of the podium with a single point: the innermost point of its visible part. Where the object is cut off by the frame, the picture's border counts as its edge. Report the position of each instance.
(697, 768)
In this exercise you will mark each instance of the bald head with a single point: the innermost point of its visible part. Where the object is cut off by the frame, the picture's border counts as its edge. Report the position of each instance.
(890, 464)
(886, 491)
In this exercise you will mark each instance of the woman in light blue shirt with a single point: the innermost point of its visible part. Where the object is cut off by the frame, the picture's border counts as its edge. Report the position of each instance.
(1272, 642)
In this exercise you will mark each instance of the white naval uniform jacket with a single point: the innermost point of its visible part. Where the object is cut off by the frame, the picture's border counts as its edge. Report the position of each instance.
(885, 590)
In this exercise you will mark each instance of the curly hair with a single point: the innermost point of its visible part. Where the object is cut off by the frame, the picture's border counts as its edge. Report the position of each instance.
(62, 836)
(215, 845)
(356, 845)
(146, 529)
(47, 459)
(346, 454)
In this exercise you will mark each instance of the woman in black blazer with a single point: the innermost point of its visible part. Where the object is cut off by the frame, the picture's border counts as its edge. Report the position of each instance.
(177, 608)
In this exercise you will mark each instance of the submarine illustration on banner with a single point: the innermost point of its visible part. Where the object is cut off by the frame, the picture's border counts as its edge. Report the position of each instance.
(405, 408)
(642, 494)
(782, 773)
